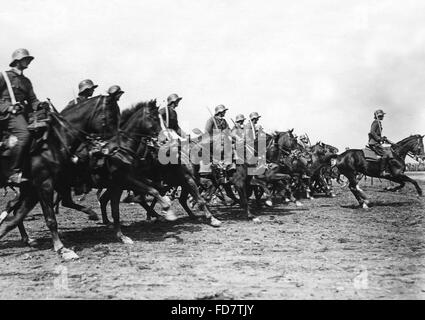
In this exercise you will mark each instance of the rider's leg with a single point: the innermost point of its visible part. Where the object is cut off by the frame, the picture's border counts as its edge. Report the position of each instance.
(17, 126)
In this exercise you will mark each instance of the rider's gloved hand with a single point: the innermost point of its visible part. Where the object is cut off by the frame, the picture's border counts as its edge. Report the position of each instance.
(16, 108)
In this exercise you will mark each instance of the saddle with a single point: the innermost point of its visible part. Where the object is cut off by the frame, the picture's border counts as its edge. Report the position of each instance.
(371, 155)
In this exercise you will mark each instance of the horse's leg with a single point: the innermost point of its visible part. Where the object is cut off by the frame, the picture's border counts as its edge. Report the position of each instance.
(142, 188)
(189, 186)
(115, 210)
(229, 192)
(103, 202)
(183, 202)
(261, 188)
(402, 178)
(150, 212)
(356, 191)
(57, 202)
(67, 202)
(45, 193)
(12, 206)
(25, 205)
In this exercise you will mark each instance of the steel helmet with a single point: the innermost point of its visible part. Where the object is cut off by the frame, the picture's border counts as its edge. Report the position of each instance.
(220, 108)
(20, 54)
(115, 90)
(254, 115)
(240, 117)
(379, 112)
(85, 85)
(173, 98)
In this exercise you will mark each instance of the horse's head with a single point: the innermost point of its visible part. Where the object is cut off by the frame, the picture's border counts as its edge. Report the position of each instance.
(142, 118)
(321, 147)
(413, 144)
(99, 115)
(287, 140)
(418, 149)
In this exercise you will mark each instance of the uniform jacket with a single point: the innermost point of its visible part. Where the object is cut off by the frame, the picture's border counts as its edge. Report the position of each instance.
(375, 134)
(73, 102)
(248, 130)
(173, 122)
(238, 130)
(221, 123)
(22, 89)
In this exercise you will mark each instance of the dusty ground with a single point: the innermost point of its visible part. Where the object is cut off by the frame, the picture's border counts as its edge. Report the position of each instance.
(325, 250)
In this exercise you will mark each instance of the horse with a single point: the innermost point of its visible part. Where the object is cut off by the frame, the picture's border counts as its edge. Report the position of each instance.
(47, 158)
(137, 124)
(283, 149)
(352, 162)
(171, 175)
(321, 175)
(99, 113)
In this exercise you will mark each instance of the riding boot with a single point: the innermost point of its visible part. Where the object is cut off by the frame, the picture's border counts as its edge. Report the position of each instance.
(17, 127)
(383, 166)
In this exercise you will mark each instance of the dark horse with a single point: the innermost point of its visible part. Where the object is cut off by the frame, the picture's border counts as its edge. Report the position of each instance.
(161, 175)
(352, 162)
(283, 150)
(93, 113)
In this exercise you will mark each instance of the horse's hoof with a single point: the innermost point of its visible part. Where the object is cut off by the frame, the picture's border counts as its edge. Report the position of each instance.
(365, 206)
(214, 222)
(287, 200)
(298, 204)
(269, 203)
(67, 254)
(333, 195)
(30, 242)
(170, 215)
(126, 240)
(256, 220)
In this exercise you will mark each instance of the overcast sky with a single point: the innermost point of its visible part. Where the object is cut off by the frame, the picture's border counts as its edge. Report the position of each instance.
(322, 67)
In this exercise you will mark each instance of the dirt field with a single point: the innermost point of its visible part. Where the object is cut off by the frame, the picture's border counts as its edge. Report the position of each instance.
(324, 250)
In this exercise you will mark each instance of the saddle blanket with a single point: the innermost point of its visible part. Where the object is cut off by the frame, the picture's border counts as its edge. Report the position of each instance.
(371, 155)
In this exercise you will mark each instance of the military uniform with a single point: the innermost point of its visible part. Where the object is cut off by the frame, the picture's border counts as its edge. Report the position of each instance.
(76, 101)
(221, 125)
(85, 91)
(238, 130)
(17, 122)
(173, 122)
(376, 139)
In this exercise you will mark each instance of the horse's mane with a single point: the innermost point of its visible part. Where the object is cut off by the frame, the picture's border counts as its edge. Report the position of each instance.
(83, 104)
(128, 113)
(406, 139)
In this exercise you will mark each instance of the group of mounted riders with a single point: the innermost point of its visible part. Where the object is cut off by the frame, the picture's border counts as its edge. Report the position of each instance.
(91, 143)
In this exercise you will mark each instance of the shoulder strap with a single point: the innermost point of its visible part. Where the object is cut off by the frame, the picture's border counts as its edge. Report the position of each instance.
(167, 117)
(9, 87)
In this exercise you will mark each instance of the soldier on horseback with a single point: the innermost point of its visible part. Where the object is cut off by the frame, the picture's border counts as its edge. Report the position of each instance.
(85, 91)
(218, 128)
(169, 114)
(17, 101)
(253, 127)
(376, 140)
(217, 122)
(239, 125)
(115, 92)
